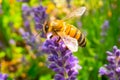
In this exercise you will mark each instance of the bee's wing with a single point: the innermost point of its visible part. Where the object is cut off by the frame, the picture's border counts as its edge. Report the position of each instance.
(70, 42)
(77, 13)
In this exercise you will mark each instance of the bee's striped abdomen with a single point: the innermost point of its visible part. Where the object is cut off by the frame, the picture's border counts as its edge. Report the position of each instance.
(70, 30)
(81, 40)
(75, 33)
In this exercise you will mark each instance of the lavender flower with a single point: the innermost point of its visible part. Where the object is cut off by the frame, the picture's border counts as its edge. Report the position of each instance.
(12, 41)
(61, 59)
(31, 40)
(105, 27)
(26, 15)
(39, 16)
(3, 76)
(112, 69)
(23, 0)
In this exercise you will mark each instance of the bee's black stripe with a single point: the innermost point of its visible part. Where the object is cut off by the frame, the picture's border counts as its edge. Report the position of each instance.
(51, 36)
(75, 33)
(82, 42)
(80, 38)
(58, 39)
(46, 27)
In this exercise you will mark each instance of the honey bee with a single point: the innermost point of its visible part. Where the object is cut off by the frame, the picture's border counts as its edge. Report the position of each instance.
(71, 36)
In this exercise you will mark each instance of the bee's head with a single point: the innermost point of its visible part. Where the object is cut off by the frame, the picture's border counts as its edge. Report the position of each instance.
(50, 26)
(46, 27)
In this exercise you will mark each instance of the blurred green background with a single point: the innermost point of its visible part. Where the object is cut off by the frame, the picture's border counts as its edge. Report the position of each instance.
(100, 24)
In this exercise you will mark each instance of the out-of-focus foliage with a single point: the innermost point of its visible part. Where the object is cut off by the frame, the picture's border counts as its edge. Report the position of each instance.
(100, 23)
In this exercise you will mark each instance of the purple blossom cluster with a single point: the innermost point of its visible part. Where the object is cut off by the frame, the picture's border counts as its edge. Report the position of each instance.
(112, 69)
(3, 76)
(26, 15)
(29, 14)
(39, 16)
(61, 59)
(37, 13)
(104, 27)
(23, 0)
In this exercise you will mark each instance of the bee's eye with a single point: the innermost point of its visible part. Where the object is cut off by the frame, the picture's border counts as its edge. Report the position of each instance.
(46, 28)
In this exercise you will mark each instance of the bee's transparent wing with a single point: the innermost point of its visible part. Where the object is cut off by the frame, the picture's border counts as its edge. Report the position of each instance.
(77, 13)
(70, 42)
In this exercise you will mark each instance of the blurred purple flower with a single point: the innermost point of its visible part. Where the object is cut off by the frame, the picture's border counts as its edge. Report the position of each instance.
(12, 41)
(1, 45)
(39, 16)
(79, 24)
(26, 15)
(38, 13)
(3, 76)
(104, 27)
(61, 59)
(32, 41)
(29, 38)
(23, 0)
(112, 69)
(102, 71)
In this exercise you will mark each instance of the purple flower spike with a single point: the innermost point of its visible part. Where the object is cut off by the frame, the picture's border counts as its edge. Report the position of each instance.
(26, 14)
(104, 29)
(39, 16)
(117, 53)
(61, 59)
(112, 69)
(23, 0)
(102, 71)
(3, 76)
(105, 25)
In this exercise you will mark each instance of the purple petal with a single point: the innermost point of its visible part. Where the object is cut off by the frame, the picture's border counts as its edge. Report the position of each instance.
(117, 53)
(109, 53)
(111, 59)
(118, 69)
(102, 71)
(52, 66)
(110, 74)
(115, 49)
(3, 76)
(59, 77)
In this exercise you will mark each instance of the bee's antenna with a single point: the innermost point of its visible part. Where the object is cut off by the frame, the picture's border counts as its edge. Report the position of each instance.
(37, 34)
